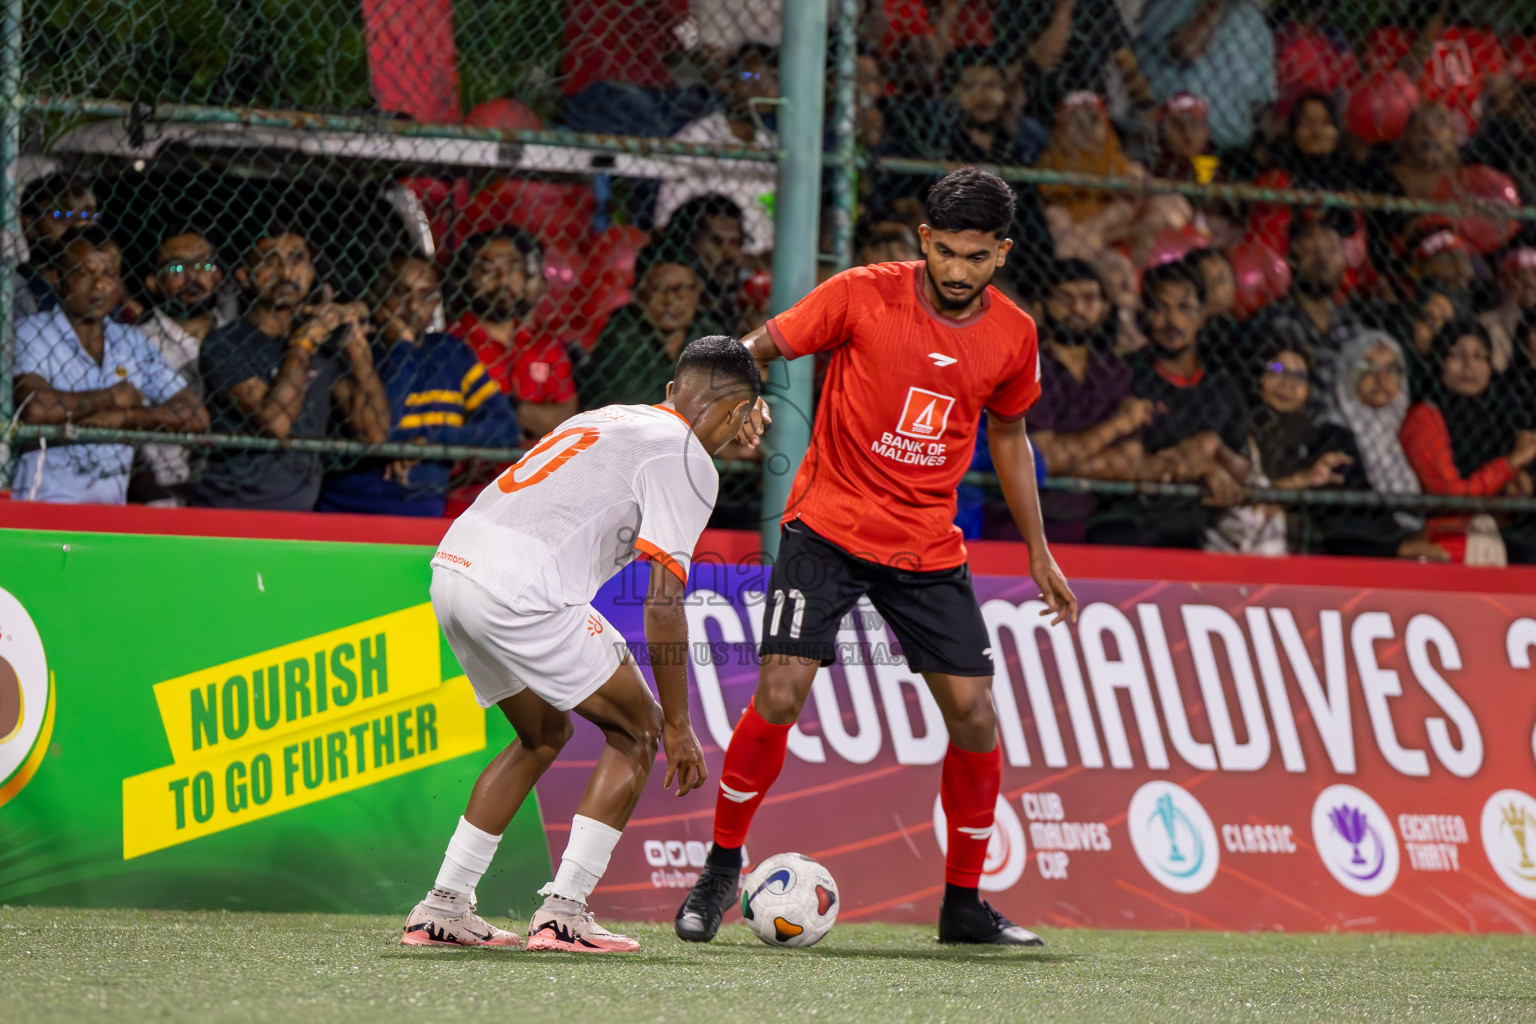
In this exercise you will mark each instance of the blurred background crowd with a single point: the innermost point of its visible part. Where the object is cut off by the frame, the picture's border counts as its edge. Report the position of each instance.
(282, 282)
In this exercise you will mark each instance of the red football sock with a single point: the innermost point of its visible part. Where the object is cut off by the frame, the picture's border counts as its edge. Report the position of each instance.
(968, 792)
(752, 763)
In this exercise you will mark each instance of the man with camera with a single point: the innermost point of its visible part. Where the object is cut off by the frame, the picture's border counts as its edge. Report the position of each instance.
(278, 372)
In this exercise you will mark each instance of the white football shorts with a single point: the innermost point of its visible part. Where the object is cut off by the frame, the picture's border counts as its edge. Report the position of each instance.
(562, 656)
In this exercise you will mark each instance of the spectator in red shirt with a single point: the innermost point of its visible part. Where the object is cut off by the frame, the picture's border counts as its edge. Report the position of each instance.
(497, 279)
(1459, 440)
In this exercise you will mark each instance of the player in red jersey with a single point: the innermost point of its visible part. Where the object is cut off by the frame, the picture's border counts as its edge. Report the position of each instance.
(919, 351)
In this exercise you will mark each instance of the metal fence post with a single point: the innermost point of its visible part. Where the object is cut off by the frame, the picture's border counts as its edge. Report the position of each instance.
(802, 71)
(844, 110)
(10, 228)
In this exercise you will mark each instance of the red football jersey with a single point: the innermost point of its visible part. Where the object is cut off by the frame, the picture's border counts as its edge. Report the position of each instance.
(899, 409)
(535, 369)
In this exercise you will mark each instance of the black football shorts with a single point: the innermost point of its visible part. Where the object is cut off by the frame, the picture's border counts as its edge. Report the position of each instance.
(815, 583)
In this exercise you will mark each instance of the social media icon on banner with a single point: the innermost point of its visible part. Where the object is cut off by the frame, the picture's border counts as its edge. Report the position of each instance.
(1006, 851)
(1354, 838)
(1509, 839)
(1173, 837)
(26, 707)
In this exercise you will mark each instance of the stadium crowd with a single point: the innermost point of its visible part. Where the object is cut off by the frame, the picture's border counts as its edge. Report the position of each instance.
(1183, 339)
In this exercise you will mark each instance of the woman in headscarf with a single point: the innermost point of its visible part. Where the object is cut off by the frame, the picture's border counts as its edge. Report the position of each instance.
(1368, 402)
(1462, 439)
(1084, 222)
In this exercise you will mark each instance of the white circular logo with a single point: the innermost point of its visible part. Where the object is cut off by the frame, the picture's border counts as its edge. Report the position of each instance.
(1355, 840)
(23, 694)
(1173, 837)
(1509, 839)
(1006, 852)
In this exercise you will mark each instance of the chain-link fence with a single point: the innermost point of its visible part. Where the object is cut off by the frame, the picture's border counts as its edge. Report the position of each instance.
(365, 252)
(1285, 247)
(1280, 253)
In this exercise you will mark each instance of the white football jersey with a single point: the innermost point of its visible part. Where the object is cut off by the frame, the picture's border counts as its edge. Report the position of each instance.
(599, 490)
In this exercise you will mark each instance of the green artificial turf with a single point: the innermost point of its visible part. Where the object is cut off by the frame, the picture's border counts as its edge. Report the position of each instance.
(140, 966)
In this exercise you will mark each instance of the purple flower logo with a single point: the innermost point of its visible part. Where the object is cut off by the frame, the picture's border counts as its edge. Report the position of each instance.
(1355, 840)
(1354, 828)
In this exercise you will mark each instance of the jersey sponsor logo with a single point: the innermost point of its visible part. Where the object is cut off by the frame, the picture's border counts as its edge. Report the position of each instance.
(444, 556)
(594, 625)
(941, 360)
(925, 415)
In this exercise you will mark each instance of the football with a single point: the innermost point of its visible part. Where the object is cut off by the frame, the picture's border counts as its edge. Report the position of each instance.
(789, 900)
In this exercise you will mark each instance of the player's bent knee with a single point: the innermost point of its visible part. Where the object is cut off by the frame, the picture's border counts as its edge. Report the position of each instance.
(650, 736)
(638, 737)
(973, 719)
(556, 737)
(782, 690)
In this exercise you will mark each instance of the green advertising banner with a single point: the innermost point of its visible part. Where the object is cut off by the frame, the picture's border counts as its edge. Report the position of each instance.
(251, 724)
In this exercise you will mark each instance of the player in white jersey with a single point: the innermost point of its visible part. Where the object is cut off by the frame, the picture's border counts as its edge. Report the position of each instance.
(512, 585)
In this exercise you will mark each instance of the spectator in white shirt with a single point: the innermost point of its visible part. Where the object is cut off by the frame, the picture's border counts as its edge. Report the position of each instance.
(74, 365)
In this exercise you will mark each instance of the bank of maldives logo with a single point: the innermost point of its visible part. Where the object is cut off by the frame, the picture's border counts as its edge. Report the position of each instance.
(1354, 838)
(1509, 839)
(926, 414)
(1173, 837)
(26, 707)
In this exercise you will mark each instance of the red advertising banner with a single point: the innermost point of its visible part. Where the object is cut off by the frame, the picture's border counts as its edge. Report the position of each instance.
(1206, 755)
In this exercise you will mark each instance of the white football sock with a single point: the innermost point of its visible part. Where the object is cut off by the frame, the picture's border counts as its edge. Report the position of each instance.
(469, 855)
(585, 859)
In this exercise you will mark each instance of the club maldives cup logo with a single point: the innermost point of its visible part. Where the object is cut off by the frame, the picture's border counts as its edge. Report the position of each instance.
(1173, 837)
(1006, 851)
(1355, 840)
(26, 707)
(1509, 839)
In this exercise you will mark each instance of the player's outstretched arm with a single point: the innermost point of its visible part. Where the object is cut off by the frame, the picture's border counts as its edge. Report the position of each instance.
(1015, 465)
(666, 638)
(761, 345)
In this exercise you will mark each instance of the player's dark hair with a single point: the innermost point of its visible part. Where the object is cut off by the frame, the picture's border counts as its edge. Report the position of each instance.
(1184, 271)
(726, 362)
(971, 199)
